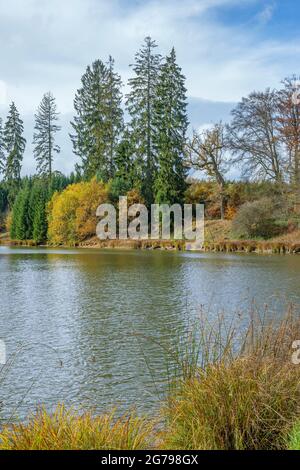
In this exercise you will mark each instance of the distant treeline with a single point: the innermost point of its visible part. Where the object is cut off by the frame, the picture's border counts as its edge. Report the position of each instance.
(62, 211)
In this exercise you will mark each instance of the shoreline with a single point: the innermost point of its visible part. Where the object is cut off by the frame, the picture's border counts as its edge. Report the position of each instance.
(222, 246)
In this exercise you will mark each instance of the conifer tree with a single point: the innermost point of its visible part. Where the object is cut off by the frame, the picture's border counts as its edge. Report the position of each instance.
(21, 228)
(14, 144)
(29, 218)
(114, 115)
(125, 164)
(3, 198)
(140, 105)
(89, 130)
(98, 120)
(171, 122)
(39, 198)
(2, 149)
(44, 134)
(126, 175)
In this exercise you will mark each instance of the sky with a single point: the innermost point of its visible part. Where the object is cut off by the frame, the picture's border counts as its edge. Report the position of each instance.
(226, 48)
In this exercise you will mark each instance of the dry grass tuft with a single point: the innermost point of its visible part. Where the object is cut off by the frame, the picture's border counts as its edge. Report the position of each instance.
(66, 430)
(246, 398)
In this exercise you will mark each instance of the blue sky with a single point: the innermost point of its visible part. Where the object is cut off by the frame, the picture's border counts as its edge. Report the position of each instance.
(226, 48)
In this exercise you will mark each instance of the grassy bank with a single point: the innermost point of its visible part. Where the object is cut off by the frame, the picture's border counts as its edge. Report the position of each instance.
(224, 246)
(218, 238)
(253, 246)
(217, 244)
(229, 389)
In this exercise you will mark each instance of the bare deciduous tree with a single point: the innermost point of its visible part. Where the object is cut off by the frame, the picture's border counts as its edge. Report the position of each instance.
(254, 137)
(206, 152)
(289, 125)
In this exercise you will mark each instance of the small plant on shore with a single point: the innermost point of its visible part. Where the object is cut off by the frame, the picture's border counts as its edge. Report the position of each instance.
(67, 430)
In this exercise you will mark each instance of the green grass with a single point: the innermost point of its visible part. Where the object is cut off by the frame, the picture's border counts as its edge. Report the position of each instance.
(293, 440)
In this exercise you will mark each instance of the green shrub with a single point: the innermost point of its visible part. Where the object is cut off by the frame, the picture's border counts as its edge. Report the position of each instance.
(256, 220)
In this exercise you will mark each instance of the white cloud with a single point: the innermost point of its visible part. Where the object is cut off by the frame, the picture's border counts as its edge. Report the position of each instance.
(205, 127)
(46, 45)
(265, 15)
(3, 93)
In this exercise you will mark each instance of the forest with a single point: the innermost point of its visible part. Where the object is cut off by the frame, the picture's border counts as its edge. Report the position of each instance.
(142, 145)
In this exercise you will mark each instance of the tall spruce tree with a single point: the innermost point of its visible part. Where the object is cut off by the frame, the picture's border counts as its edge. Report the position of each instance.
(38, 200)
(114, 115)
(125, 177)
(14, 144)
(140, 104)
(44, 135)
(90, 132)
(125, 163)
(98, 120)
(171, 122)
(3, 199)
(2, 149)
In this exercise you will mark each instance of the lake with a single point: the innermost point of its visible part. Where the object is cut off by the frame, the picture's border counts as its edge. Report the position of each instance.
(83, 326)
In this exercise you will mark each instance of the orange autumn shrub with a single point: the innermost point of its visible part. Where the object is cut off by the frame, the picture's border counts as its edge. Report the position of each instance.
(93, 194)
(230, 213)
(134, 197)
(8, 222)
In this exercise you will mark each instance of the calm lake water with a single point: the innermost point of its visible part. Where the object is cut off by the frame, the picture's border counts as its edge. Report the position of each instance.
(79, 324)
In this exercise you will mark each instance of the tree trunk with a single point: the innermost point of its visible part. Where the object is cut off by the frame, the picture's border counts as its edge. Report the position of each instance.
(222, 199)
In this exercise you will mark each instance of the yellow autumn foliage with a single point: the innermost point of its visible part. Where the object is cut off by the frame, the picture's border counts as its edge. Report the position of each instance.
(72, 213)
